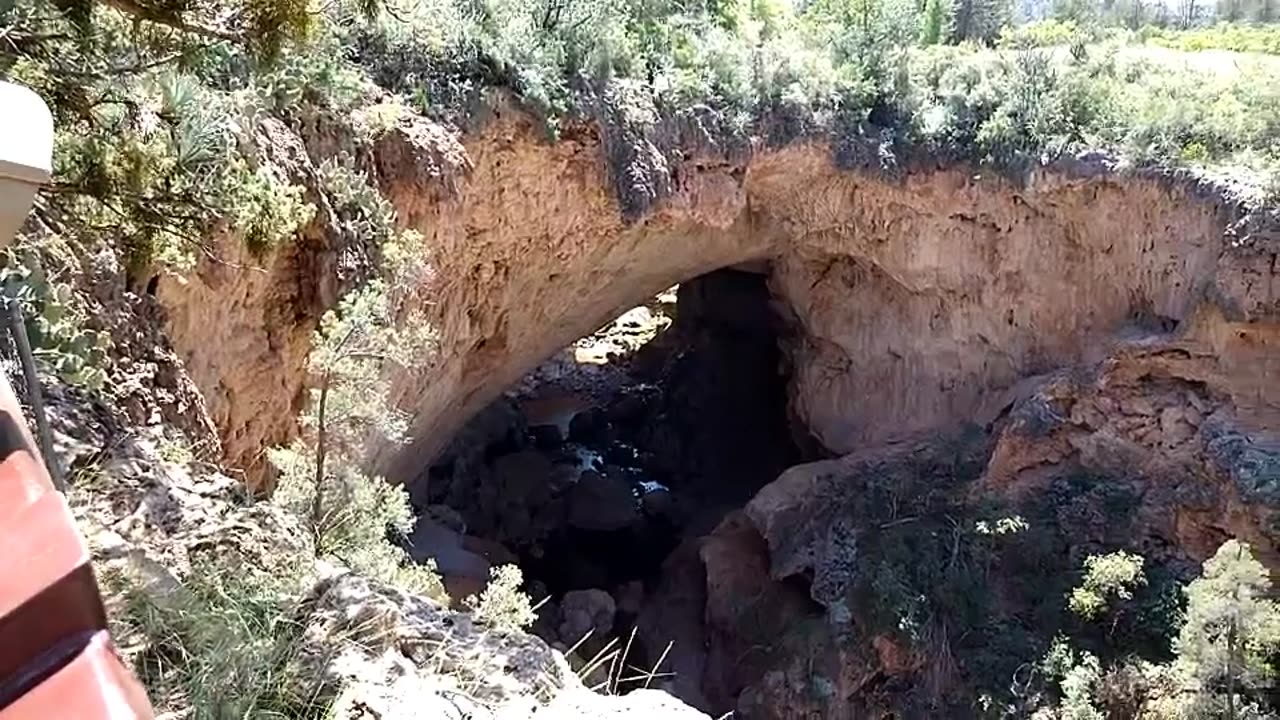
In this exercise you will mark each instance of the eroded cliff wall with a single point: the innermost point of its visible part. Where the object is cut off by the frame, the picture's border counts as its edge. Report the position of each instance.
(920, 302)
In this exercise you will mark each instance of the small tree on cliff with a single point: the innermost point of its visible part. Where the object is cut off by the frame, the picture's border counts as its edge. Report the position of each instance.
(372, 334)
(1108, 583)
(1228, 645)
(353, 349)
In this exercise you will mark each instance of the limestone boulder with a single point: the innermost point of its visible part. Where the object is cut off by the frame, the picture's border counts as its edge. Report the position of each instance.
(382, 654)
(586, 611)
(464, 572)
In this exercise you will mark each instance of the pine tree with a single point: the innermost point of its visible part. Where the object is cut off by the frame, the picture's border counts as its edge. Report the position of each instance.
(375, 332)
(935, 20)
(1232, 630)
(1231, 10)
(264, 25)
(979, 20)
(147, 146)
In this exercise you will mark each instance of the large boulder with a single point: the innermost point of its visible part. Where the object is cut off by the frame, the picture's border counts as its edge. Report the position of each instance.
(138, 509)
(586, 611)
(602, 502)
(672, 617)
(748, 613)
(356, 626)
(463, 572)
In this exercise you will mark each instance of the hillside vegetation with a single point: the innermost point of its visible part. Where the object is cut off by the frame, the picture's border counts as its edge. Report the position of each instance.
(155, 102)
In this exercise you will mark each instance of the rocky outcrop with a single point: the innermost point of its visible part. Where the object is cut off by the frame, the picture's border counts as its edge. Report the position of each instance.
(1167, 416)
(379, 649)
(1144, 449)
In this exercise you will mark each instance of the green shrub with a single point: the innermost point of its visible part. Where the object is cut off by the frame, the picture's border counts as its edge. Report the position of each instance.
(433, 58)
(1177, 112)
(1226, 650)
(1040, 34)
(153, 146)
(840, 65)
(361, 519)
(1077, 676)
(501, 605)
(55, 319)
(220, 643)
(317, 76)
(1236, 37)
(1108, 579)
(265, 210)
(364, 215)
(1231, 639)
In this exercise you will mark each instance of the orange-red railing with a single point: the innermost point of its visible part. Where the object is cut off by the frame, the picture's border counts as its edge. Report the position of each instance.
(56, 657)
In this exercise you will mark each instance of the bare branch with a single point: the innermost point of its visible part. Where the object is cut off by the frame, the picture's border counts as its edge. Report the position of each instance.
(354, 355)
(127, 69)
(170, 19)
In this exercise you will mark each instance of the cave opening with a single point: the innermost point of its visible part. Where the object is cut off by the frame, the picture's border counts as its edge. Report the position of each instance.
(599, 463)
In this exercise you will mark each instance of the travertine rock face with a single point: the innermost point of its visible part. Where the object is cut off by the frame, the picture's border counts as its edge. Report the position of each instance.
(926, 301)
(918, 302)
(243, 323)
(244, 348)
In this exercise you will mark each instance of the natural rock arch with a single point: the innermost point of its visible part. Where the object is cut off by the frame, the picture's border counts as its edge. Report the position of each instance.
(920, 301)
